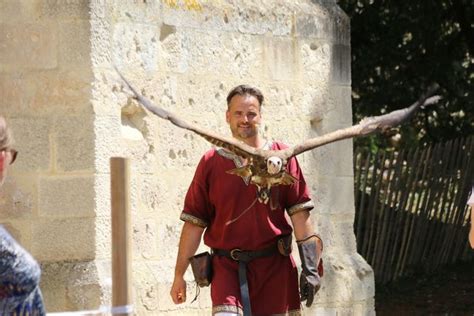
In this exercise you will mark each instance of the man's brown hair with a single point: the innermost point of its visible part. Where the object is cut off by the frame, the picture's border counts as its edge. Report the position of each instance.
(244, 89)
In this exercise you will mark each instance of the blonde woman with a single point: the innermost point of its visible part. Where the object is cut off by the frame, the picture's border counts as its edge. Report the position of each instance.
(19, 272)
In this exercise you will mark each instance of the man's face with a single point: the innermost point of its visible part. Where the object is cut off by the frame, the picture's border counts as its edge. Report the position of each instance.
(244, 116)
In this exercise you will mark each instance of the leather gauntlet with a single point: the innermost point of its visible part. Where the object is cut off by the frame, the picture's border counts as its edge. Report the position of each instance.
(310, 250)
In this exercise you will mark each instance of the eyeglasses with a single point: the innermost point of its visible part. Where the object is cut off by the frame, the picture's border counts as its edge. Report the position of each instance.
(13, 154)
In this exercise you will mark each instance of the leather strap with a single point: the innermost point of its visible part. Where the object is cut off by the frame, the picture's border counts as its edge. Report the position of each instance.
(246, 255)
(244, 288)
(243, 257)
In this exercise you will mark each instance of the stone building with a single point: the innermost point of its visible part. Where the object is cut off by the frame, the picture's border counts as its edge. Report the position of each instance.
(70, 113)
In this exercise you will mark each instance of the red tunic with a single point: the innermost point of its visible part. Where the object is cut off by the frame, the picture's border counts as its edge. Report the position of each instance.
(214, 198)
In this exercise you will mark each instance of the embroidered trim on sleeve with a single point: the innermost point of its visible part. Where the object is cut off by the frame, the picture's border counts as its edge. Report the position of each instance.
(230, 309)
(308, 205)
(193, 220)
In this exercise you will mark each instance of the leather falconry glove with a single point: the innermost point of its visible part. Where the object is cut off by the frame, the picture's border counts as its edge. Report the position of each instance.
(310, 255)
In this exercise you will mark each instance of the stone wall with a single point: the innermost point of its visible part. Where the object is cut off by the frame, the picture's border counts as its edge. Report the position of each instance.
(45, 83)
(70, 113)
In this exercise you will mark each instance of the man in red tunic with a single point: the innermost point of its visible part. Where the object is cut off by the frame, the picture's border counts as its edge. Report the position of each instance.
(251, 274)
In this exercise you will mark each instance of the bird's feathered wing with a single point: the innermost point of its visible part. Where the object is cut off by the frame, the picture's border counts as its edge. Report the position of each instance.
(232, 144)
(365, 127)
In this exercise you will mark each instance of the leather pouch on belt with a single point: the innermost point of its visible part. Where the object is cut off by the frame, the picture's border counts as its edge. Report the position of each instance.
(201, 264)
(284, 245)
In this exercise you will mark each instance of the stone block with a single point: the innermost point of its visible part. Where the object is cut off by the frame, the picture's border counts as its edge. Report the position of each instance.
(341, 26)
(246, 18)
(12, 11)
(328, 23)
(281, 57)
(167, 238)
(347, 279)
(64, 239)
(108, 142)
(32, 142)
(102, 194)
(14, 98)
(63, 10)
(142, 158)
(314, 25)
(315, 63)
(147, 278)
(18, 197)
(66, 196)
(74, 143)
(173, 53)
(204, 16)
(136, 45)
(101, 45)
(341, 64)
(364, 308)
(145, 239)
(103, 237)
(20, 230)
(28, 46)
(66, 92)
(108, 93)
(214, 54)
(151, 194)
(131, 11)
(74, 44)
(332, 195)
(54, 277)
(334, 159)
(280, 97)
(339, 108)
(257, 19)
(72, 286)
(177, 148)
(338, 236)
(46, 93)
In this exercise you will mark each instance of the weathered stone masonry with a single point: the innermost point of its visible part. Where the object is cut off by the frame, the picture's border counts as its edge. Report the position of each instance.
(70, 113)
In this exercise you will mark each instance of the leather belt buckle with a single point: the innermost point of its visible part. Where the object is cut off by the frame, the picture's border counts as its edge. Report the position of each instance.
(234, 254)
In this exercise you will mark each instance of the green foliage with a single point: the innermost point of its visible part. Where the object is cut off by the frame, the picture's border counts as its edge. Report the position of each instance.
(398, 49)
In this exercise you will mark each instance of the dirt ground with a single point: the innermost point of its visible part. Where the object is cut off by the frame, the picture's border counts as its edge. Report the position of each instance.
(450, 291)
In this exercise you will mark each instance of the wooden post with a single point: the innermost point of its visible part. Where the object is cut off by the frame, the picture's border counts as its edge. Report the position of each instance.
(121, 234)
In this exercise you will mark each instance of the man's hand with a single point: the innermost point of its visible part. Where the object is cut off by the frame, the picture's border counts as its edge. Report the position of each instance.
(178, 290)
(309, 286)
(310, 250)
(188, 243)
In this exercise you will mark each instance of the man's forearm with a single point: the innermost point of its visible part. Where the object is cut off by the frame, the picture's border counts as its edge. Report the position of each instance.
(188, 244)
(302, 225)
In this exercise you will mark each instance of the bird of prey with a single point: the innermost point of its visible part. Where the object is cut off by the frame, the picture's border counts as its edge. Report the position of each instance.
(266, 168)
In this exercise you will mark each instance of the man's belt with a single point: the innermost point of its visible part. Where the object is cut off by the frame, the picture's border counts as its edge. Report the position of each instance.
(243, 257)
(246, 255)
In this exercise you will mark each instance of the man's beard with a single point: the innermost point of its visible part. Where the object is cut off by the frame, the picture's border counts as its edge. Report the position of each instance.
(249, 132)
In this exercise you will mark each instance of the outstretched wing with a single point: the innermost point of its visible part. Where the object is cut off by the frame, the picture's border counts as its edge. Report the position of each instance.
(366, 126)
(237, 147)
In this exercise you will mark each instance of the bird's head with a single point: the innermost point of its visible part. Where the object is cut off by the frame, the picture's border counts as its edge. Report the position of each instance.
(274, 165)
